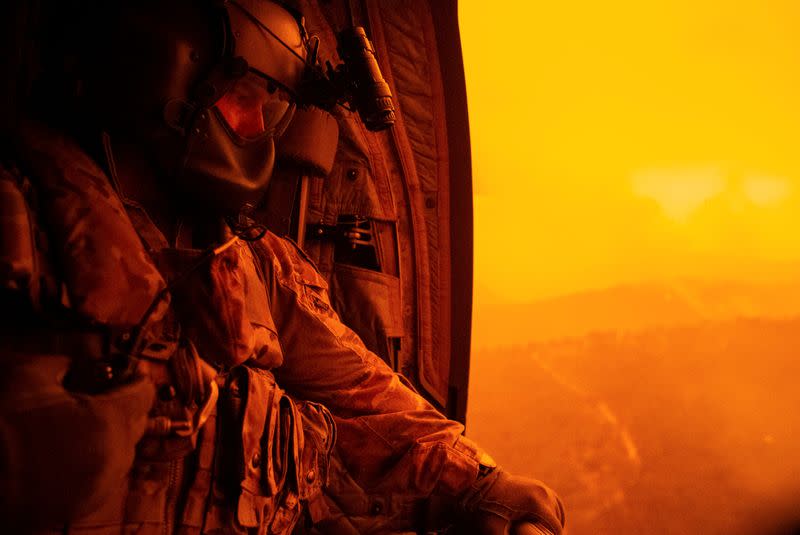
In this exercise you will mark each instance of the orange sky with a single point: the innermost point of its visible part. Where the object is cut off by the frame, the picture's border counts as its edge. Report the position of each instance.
(622, 141)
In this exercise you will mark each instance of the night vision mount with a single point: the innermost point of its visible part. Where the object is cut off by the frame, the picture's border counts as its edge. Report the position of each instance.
(356, 84)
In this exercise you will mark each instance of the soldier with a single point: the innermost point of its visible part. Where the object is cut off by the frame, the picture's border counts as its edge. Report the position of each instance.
(170, 367)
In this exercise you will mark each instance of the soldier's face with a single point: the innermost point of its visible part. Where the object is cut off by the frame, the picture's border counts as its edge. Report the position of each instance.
(255, 107)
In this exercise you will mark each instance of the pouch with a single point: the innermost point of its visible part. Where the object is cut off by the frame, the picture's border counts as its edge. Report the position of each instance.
(274, 454)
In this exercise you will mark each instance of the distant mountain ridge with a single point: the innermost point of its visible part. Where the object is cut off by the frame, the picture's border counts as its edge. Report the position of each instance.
(631, 308)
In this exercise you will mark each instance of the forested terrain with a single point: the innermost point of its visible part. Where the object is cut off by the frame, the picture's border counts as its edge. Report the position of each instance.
(683, 429)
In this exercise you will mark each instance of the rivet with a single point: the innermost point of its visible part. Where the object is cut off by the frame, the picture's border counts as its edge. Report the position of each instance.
(311, 476)
(256, 462)
(352, 174)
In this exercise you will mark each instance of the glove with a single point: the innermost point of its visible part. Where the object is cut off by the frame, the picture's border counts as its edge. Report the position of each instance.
(500, 503)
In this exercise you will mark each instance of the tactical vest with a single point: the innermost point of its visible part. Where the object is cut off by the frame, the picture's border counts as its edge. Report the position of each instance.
(224, 453)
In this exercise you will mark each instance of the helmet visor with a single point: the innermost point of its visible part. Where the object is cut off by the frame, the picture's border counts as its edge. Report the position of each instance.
(255, 107)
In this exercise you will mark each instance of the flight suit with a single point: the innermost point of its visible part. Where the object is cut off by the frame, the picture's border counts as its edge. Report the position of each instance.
(256, 376)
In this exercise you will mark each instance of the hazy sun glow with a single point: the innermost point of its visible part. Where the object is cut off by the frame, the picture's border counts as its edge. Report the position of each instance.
(624, 141)
(679, 192)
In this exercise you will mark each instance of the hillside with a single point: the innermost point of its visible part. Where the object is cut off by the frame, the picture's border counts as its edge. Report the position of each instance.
(687, 429)
(630, 308)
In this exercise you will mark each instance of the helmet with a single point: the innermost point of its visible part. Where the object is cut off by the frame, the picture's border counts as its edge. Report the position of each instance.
(204, 87)
(233, 116)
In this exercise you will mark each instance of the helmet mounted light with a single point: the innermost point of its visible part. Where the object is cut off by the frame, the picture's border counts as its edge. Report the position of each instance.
(357, 83)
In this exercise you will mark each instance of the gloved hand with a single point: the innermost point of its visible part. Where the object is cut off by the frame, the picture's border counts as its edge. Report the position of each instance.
(500, 503)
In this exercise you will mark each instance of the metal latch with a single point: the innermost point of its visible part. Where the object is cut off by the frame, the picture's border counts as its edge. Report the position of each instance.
(353, 240)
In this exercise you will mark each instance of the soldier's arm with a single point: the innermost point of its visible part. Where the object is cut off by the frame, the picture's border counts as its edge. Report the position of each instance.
(389, 431)
(390, 437)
